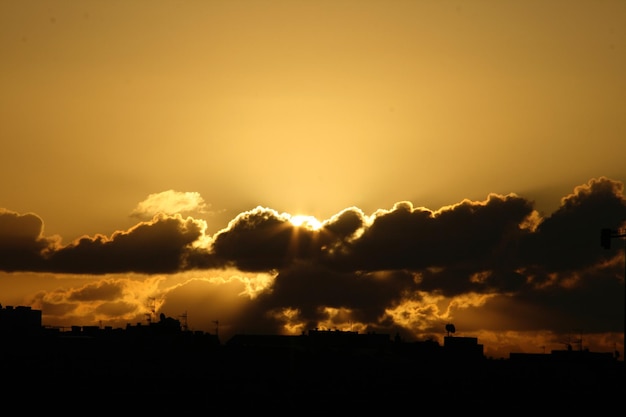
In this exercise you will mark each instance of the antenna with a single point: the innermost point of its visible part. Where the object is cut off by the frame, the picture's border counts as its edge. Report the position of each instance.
(151, 303)
(579, 341)
(450, 328)
(184, 321)
(217, 324)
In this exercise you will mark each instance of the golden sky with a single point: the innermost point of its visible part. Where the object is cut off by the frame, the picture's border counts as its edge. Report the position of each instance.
(461, 156)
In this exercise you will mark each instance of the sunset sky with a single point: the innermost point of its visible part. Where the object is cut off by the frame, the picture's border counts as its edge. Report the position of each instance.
(456, 161)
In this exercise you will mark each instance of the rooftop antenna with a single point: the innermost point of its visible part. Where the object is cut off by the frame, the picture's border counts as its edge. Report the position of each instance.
(579, 341)
(450, 328)
(184, 321)
(151, 305)
(217, 324)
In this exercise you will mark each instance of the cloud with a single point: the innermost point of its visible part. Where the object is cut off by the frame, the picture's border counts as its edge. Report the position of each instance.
(263, 239)
(490, 250)
(110, 300)
(22, 244)
(170, 202)
(404, 266)
(469, 233)
(101, 290)
(315, 292)
(570, 239)
(156, 246)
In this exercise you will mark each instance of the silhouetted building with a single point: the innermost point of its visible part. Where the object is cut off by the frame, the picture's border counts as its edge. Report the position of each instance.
(565, 355)
(314, 340)
(339, 339)
(466, 348)
(266, 341)
(19, 320)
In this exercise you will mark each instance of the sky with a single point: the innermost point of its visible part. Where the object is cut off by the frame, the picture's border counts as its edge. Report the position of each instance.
(277, 166)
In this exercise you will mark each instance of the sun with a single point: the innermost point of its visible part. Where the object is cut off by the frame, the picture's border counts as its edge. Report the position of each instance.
(310, 222)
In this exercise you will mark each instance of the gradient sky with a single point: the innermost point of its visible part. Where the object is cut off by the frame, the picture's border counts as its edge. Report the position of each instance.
(461, 157)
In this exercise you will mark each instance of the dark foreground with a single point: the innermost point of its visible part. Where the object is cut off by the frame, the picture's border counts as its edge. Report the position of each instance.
(80, 376)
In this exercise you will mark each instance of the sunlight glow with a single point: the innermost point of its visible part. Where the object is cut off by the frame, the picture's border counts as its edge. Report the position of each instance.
(290, 318)
(420, 313)
(254, 285)
(310, 222)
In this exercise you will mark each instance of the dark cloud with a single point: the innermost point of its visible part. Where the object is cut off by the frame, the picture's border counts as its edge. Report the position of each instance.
(346, 223)
(262, 239)
(469, 233)
(157, 246)
(307, 287)
(54, 308)
(100, 290)
(471, 236)
(570, 238)
(364, 265)
(22, 244)
(115, 309)
(497, 246)
(455, 281)
(592, 300)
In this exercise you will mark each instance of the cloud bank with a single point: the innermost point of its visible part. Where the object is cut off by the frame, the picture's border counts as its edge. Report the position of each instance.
(404, 269)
